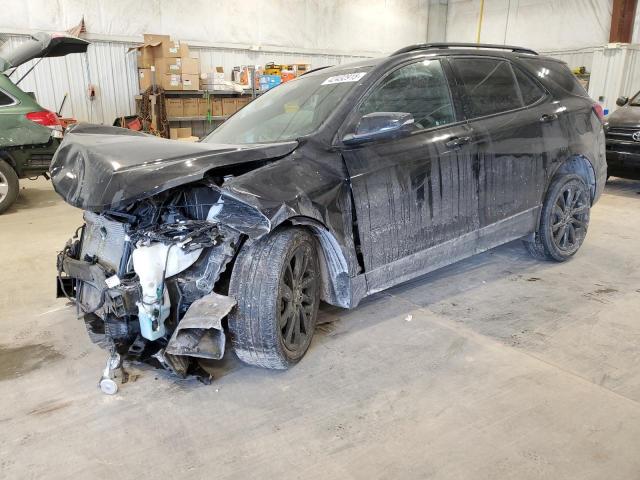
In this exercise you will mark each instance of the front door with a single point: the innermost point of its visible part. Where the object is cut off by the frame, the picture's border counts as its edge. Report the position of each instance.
(415, 192)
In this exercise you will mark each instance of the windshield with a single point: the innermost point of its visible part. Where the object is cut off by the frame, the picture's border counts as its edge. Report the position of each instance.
(293, 109)
(635, 101)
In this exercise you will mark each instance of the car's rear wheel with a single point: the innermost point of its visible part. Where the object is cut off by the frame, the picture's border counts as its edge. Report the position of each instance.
(564, 220)
(276, 282)
(9, 185)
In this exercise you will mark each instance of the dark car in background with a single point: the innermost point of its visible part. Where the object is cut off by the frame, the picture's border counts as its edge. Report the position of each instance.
(333, 186)
(622, 130)
(29, 134)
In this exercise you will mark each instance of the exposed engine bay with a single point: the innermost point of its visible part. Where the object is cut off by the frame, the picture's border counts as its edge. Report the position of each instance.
(149, 279)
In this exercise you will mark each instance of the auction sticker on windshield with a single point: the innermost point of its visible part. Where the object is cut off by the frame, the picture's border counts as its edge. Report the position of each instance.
(347, 77)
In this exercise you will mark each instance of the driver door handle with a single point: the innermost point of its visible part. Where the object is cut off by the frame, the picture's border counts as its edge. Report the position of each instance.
(548, 117)
(457, 142)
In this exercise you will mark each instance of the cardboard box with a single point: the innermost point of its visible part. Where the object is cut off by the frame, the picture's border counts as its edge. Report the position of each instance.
(190, 65)
(242, 101)
(216, 107)
(170, 81)
(154, 39)
(214, 76)
(144, 56)
(190, 81)
(229, 106)
(168, 65)
(174, 107)
(188, 139)
(185, 65)
(171, 49)
(180, 132)
(190, 107)
(301, 68)
(204, 105)
(144, 78)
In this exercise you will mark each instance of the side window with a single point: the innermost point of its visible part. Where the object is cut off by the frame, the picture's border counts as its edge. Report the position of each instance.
(489, 85)
(420, 89)
(5, 99)
(557, 73)
(531, 92)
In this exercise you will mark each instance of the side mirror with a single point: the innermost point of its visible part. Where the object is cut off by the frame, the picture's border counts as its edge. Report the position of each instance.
(622, 101)
(379, 125)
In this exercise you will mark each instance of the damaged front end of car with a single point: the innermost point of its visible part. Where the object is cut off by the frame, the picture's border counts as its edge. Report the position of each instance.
(143, 278)
(147, 268)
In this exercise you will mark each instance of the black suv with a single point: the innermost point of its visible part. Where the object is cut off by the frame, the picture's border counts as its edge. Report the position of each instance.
(338, 184)
(622, 131)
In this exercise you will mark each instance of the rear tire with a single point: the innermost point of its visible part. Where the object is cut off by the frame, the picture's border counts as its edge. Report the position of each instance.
(276, 282)
(535, 248)
(9, 185)
(564, 220)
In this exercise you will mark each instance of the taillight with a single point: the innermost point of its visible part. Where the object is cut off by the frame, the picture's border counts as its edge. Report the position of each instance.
(599, 111)
(45, 118)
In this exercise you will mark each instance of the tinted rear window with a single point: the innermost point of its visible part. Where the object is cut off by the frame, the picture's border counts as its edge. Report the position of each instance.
(557, 73)
(489, 85)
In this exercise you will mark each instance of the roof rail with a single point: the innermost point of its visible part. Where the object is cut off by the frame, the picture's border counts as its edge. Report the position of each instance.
(437, 46)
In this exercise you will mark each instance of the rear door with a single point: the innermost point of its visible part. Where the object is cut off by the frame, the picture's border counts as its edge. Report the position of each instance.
(507, 112)
(418, 191)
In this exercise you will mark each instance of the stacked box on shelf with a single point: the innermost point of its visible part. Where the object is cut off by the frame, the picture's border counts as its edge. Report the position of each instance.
(210, 105)
(213, 80)
(169, 59)
(229, 106)
(174, 106)
(190, 107)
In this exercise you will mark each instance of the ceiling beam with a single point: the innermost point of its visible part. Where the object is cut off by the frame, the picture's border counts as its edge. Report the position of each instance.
(622, 18)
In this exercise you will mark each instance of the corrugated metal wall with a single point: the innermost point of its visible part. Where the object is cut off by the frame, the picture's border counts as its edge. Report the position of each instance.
(112, 70)
(616, 73)
(105, 65)
(575, 58)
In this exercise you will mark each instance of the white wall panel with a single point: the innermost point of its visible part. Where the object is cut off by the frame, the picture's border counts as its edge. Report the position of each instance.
(574, 58)
(336, 26)
(538, 24)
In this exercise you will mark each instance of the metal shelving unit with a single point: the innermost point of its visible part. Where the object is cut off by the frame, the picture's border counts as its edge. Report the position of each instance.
(199, 93)
(215, 118)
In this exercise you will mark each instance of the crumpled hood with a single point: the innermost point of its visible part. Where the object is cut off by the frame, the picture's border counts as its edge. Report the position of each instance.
(99, 168)
(627, 116)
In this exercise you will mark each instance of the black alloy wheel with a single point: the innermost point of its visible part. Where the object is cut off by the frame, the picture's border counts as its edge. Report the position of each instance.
(297, 299)
(570, 218)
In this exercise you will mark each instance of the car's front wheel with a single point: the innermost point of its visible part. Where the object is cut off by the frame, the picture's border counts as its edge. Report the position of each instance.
(563, 221)
(9, 185)
(276, 282)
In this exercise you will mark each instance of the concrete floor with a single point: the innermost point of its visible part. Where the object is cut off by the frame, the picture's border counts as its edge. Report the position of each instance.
(497, 367)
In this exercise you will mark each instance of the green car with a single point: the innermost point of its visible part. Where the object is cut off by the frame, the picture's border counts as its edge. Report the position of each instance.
(29, 134)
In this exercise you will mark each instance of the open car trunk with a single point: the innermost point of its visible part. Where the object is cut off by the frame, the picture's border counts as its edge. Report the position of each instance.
(38, 46)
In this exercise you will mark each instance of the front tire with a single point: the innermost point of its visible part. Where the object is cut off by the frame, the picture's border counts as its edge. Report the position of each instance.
(276, 282)
(9, 185)
(564, 220)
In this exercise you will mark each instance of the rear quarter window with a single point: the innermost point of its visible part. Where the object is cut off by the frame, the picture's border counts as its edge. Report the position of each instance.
(556, 73)
(5, 99)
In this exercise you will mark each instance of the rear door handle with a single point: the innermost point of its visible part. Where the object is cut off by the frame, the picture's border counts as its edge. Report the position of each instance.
(548, 117)
(457, 142)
